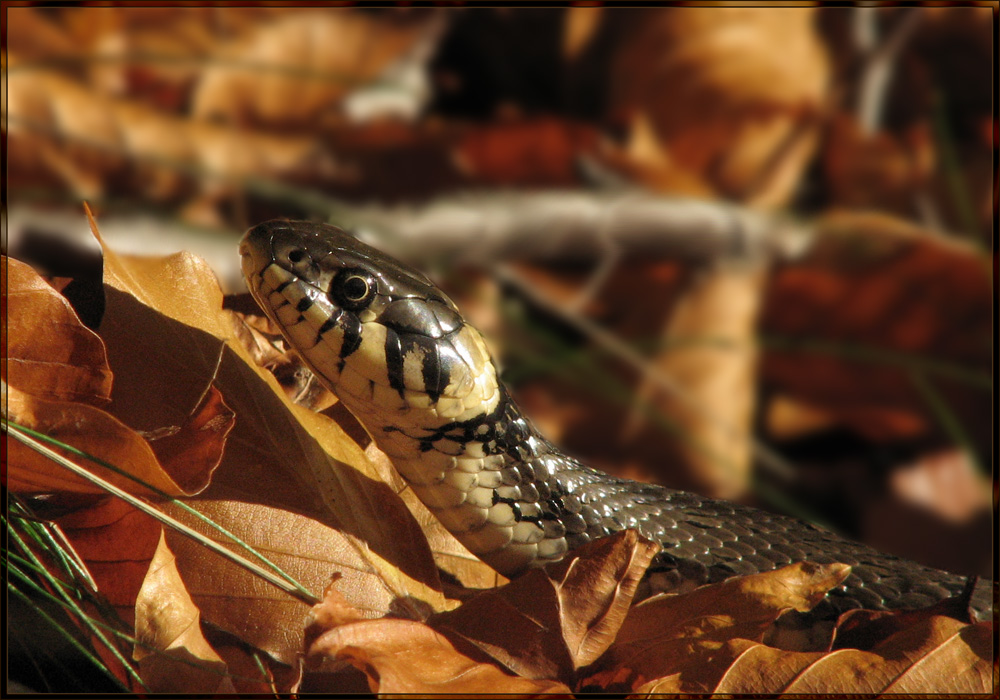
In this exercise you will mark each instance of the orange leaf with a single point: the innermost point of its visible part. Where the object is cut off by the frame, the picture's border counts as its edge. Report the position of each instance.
(173, 656)
(191, 452)
(553, 621)
(660, 636)
(86, 428)
(50, 353)
(116, 542)
(400, 656)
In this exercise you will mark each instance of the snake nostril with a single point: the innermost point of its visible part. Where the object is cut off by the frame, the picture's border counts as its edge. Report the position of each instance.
(296, 256)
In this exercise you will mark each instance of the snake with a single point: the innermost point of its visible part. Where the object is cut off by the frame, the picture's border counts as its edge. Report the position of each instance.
(397, 352)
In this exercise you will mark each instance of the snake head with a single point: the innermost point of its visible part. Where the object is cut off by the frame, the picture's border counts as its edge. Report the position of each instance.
(379, 333)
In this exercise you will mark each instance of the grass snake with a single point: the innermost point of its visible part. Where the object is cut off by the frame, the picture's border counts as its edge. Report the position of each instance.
(397, 352)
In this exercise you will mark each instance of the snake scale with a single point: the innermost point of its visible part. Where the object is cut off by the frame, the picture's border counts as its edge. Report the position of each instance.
(397, 352)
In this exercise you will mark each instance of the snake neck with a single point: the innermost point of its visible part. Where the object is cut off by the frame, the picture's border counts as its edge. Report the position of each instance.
(492, 479)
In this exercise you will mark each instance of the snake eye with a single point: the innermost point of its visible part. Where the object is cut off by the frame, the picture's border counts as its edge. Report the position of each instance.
(353, 289)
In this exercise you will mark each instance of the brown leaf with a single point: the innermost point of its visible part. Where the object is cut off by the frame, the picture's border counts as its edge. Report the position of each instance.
(873, 294)
(61, 133)
(60, 362)
(89, 429)
(938, 655)
(187, 450)
(877, 170)
(936, 509)
(49, 352)
(116, 542)
(314, 59)
(553, 621)
(173, 655)
(257, 335)
(260, 614)
(731, 95)
(675, 636)
(539, 152)
(400, 656)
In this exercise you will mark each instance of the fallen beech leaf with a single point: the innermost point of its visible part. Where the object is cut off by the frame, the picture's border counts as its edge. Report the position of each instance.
(937, 655)
(256, 333)
(186, 450)
(731, 93)
(173, 655)
(315, 58)
(877, 170)
(865, 629)
(401, 656)
(310, 552)
(659, 636)
(60, 132)
(85, 428)
(937, 508)
(49, 352)
(116, 542)
(553, 621)
(542, 152)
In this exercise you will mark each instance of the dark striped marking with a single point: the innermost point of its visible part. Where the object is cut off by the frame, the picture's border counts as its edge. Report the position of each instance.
(436, 377)
(329, 324)
(351, 327)
(281, 287)
(304, 303)
(394, 361)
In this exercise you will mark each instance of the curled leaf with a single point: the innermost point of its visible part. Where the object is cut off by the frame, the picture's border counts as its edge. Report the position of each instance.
(173, 654)
(401, 656)
(49, 352)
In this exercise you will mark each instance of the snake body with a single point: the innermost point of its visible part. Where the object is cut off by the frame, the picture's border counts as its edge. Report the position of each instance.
(397, 352)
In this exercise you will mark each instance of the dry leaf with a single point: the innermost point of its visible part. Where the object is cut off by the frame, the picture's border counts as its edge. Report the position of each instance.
(936, 509)
(675, 636)
(873, 295)
(93, 431)
(732, 95)
(116, 542)
(173, 655)
(401, 656)
(259, 337)
(49, 352)
(293, 72)
(878, 170)
(55, 362)
(252, 609)
(61, 133)
(551, 622)
(192, 451)
(540, 152)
